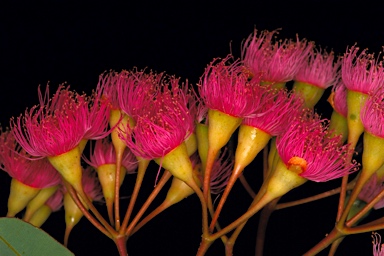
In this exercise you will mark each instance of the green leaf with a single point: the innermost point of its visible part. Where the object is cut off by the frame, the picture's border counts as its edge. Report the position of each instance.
(21, 238)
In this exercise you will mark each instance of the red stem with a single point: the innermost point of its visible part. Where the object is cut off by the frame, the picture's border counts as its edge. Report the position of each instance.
(163, 180)
(343, 193)
(315, 197)
(85, 212)
(204, 246)
(120, 242)
(329, 239)
(262, 227)
(334, 246)
(143, 164)
(119, 157)
(363, 211)
(150, 216)
(246, 185)
(207, 173)
(231, 182)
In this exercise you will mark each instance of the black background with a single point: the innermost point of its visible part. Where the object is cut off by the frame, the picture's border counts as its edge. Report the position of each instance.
(62, 41)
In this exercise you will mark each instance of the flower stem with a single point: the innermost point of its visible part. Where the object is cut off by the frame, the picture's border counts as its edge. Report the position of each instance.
(363, 211)
(277, 184)
(246, 186)
(143, 164)
(315, 197)
(367, 227)
(211, 212)
(329, 239)
(79, 204)
(208, 239)
(363, 177)
(97, 214)
(343, 193)
(334, 246)
(262, 227)
(150, 216)
(120, 242)
(251, 211)
(163, 180)
(207, 173)
(119, 157)
(231, 182)
(204, 205)
(204, 246)
(231, 241)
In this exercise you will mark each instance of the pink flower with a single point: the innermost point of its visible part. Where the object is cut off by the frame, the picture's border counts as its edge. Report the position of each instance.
(91, 185)
(378, 247)
(48, 130)
(226, 88)
(309, 144)
(201, 112)
(221, 172)
(129, 90)
(361, 73)
(97, 115)
(104, 153)
(135, 89)
(278, 108)
(164, 123)
(338, 98)
(372, 113)
(371, 189)
(59, 124)
(55, 202)
(16, 162)
(195, 161)
(277, 61)
(319, 70)
(108, 81)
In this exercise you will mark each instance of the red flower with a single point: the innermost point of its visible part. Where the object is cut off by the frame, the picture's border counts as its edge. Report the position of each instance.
(48, 130)
(221, 171)
(378, 247)
(108, 83)
(371, 189)
(129, 90)
(372, 113)
(96, 115)
(91, 185)
(274, 61)
(308, 143)
(320, 70)
(104, 153)
(226, 88)
(58, 125)
(339, 98)
(277, 108)
(135, 88)
(164, 123)
(361, 73)
(55, 202)
(16, 162)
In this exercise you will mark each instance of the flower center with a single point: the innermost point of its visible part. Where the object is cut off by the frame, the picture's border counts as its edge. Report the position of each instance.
(297, 164)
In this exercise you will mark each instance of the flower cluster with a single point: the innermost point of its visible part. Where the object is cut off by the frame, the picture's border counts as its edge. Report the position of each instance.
(136, 116)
